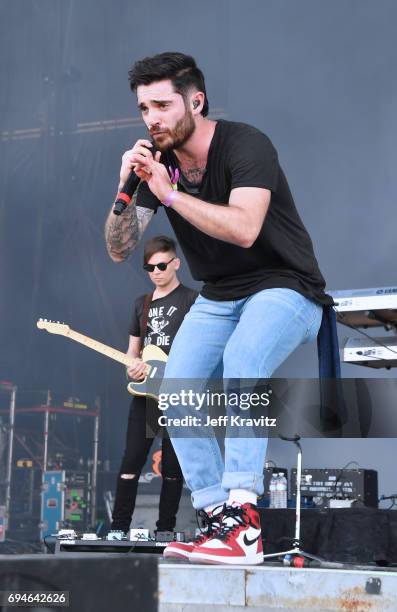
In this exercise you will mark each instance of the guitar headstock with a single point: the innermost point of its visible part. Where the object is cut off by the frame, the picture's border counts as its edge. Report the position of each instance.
(54, 327)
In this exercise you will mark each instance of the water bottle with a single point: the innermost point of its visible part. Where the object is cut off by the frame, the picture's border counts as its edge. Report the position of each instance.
(285, 491)
(281, 491)
(272, 491)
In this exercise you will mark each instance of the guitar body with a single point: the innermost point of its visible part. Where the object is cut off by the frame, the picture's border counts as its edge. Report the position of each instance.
(150, 386)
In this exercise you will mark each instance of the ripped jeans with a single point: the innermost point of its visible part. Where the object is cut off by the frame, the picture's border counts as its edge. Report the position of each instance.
(143, 418)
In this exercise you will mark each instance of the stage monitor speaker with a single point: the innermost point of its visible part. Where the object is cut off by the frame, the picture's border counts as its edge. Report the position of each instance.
(95, 583)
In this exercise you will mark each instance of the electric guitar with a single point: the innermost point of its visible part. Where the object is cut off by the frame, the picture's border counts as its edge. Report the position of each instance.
(153, 356)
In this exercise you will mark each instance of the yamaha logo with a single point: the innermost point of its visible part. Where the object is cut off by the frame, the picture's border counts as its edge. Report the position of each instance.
(386, 291)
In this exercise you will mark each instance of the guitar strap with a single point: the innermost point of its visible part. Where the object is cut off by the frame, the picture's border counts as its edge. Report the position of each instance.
(145, 315)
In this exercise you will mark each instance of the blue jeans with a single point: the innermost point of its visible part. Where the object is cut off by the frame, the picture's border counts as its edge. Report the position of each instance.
(251, 338)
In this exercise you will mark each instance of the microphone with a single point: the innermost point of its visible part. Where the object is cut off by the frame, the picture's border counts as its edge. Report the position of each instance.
(125, 194)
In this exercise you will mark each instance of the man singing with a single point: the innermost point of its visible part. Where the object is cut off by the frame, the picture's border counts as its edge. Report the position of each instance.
(263, 293)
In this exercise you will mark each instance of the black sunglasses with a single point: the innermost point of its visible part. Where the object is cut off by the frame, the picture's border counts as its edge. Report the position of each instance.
(161, 266)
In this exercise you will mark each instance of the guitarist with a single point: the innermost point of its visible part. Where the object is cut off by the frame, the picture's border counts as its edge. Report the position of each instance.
(155, 320)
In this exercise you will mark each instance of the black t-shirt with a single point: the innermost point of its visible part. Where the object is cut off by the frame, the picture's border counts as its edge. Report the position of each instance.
(165, 317)
(282, 255)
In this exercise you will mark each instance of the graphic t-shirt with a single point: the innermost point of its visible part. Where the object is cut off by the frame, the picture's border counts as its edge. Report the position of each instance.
(165, 317)
(282, 255)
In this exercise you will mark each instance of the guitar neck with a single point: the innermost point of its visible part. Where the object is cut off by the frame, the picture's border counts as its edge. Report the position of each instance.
(100, 347)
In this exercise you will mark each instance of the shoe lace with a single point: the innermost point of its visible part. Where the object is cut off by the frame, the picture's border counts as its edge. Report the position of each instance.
(209, 523)
(239, 517)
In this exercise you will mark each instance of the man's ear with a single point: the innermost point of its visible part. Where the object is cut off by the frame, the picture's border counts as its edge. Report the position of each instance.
(197, 102)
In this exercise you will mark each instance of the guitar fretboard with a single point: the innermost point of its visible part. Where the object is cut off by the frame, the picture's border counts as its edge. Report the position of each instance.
(100, 347)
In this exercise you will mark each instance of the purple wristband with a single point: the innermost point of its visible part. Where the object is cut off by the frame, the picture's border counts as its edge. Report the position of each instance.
(170, 198)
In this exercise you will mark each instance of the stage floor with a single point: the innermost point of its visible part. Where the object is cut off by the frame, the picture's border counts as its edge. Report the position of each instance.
(187, 587)
(99, 582)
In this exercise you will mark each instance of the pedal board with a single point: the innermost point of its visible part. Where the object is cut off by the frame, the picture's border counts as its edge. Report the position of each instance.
(109, 546)
(115, 541)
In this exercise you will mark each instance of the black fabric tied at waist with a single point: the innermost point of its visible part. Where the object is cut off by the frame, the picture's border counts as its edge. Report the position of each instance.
(333, 412)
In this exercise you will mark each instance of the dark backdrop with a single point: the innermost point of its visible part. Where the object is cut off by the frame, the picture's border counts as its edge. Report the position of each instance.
(317, 77)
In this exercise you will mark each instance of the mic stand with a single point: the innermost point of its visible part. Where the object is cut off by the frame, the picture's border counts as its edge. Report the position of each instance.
(296, 544)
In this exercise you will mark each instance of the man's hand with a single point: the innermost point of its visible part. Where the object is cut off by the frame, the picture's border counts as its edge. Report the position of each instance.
(158, 178)
(149, 169)
(137, 159)
(138, 369)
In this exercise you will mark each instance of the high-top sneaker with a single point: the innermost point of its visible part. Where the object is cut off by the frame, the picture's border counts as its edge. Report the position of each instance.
(211, 522)
(238, 541)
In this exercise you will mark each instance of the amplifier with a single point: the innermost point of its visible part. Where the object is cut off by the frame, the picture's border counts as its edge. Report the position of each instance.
(330, 483)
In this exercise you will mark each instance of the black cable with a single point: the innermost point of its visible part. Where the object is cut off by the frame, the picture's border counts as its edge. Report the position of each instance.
(140, 537)
(350, 463)
(393, 499)
(46, 544)
(340, 474)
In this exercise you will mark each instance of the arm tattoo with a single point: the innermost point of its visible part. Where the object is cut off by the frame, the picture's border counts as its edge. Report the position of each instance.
(123, 232)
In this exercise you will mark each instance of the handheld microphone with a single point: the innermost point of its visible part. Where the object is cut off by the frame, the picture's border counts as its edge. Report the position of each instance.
(126, 192)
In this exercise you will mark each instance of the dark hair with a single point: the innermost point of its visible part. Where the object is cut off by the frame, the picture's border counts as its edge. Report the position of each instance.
(181, 69)
(162, 244)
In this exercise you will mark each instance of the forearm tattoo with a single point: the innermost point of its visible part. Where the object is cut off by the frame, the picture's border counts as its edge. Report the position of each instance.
(123, 232)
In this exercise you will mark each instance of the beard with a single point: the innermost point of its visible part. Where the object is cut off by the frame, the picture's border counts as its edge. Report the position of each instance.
(178, 136)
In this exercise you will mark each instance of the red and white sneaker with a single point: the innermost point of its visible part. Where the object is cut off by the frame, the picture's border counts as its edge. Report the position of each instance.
(238, 541)
(211, 522)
